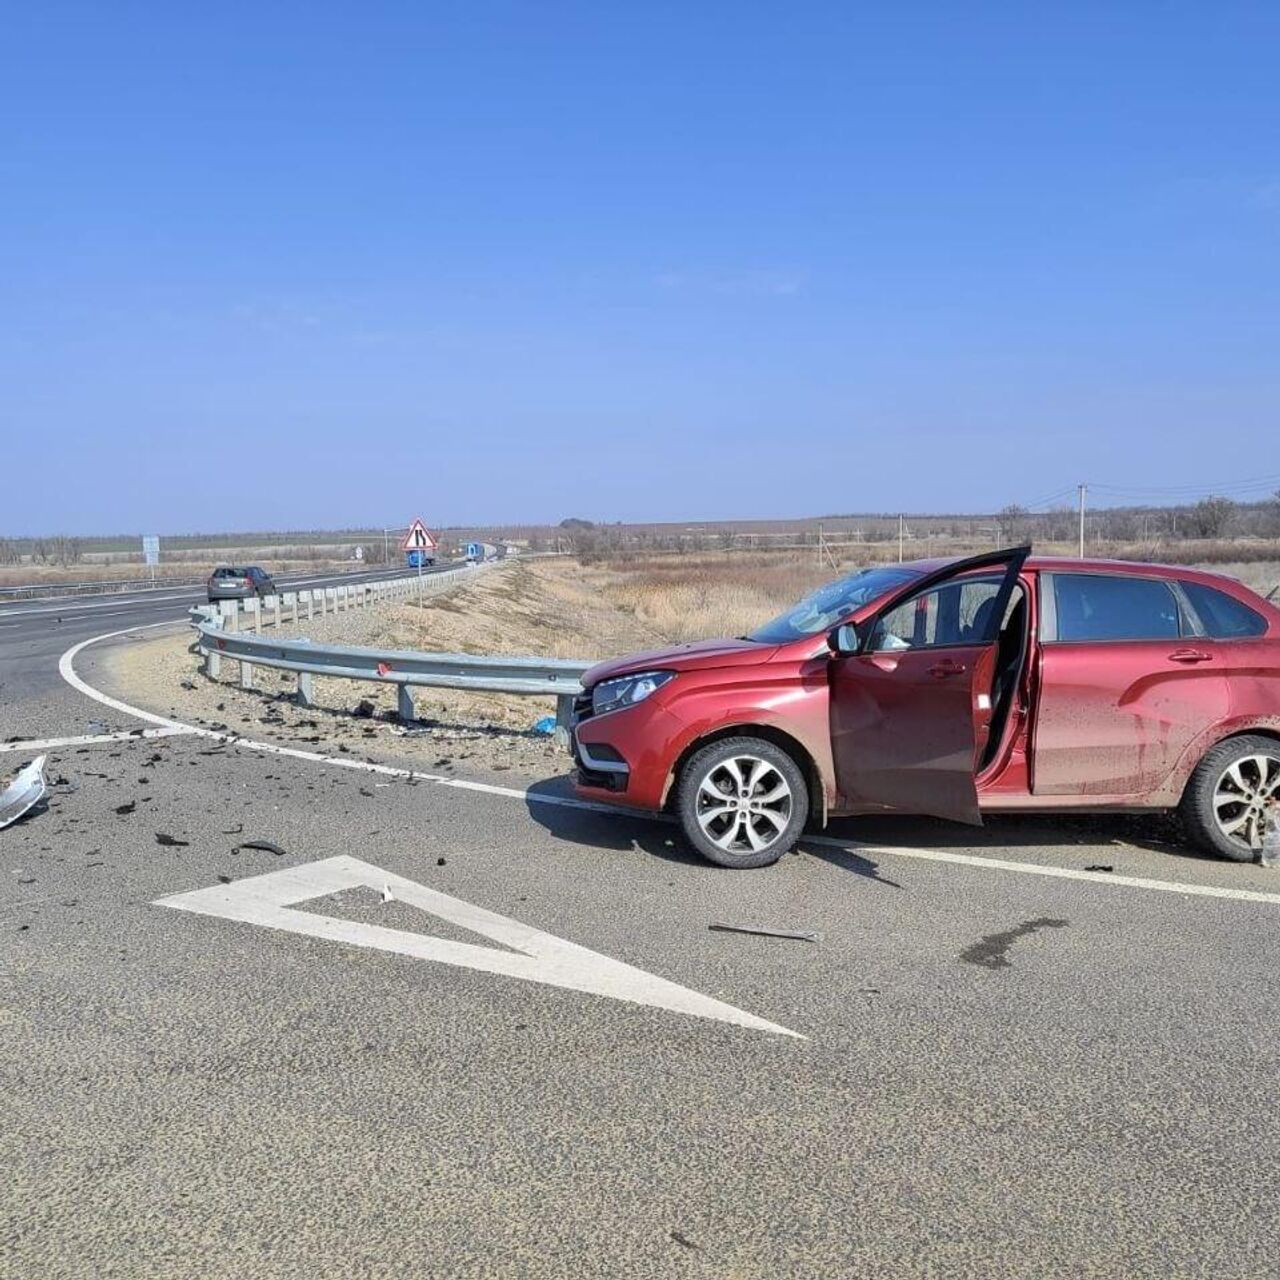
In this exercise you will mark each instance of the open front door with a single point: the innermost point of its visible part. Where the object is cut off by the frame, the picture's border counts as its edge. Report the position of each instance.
(910, 709)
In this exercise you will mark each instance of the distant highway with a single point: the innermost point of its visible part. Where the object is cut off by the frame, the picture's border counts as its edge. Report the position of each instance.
(34, 633)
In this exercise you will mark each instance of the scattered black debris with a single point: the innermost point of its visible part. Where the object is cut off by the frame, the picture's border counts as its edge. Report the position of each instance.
(364, 791)
(222, 706)
(800, 935)
(440, 862)
(683, 1241)
(265, 845)
(236, 830)
(364, 709)
(1100, 866)
(991, 951)
(224, 879)
(188, 684)
(170, 842)
(126, 808)
(26, 879)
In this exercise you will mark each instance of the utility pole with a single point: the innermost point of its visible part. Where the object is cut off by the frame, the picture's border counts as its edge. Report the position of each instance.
(1083, 488)
(900, 536)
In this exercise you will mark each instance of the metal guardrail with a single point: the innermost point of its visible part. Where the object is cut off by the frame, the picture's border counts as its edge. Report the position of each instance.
(111, 586)
(232, 630)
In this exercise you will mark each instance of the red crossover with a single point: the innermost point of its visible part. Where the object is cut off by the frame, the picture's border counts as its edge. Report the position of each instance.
(954, 688)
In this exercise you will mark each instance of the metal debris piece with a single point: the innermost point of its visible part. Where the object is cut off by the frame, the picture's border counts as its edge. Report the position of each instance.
(25, 791)
(799, 935)
(265, 845)
(1100, 866)
(170, 842)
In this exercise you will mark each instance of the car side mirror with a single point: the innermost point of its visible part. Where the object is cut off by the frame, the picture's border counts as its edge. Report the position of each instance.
(844, 639)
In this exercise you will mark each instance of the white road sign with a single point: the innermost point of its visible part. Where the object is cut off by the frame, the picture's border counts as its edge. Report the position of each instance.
(418, 538)
(271, 901)
(151, 550)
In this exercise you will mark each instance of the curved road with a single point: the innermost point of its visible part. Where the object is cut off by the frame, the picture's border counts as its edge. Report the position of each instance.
(431, 1026)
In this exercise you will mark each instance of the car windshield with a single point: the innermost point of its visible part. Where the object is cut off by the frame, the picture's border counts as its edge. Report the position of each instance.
(829, 604)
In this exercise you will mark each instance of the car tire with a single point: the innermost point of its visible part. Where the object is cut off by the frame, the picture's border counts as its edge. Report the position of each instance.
(1249, 765)
(773, 794)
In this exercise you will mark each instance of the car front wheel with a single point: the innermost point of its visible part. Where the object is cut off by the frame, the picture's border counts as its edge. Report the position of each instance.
(1232, 795)
(742, 802)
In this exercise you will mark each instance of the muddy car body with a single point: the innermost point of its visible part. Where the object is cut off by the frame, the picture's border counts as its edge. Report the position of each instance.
(954, 688)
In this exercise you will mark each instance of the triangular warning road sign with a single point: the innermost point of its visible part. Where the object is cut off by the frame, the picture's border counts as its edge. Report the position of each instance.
(270, 900)
(418, 538)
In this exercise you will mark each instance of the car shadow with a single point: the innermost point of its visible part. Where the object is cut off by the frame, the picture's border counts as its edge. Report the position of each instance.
(621, 829)
(656, 834)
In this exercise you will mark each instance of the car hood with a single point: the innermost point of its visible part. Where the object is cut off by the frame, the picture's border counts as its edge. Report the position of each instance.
(697, 656)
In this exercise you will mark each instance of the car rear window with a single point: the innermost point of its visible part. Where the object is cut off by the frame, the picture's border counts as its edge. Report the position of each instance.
(1224, 617)
(228, 573)
(1106, 607)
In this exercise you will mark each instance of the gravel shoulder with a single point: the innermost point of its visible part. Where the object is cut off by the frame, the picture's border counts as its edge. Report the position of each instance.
(532, 607)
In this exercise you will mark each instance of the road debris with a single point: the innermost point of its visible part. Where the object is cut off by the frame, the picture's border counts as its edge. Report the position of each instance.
(364, 709)
(23, 793)
(1100, 866)
(800, 935)
(170, 842)
(265, 845)
(128, 807)
(545, 726)
(386, 893)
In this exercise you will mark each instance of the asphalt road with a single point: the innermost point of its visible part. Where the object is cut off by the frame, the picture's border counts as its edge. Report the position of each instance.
(1000, 1064)
(34, 633)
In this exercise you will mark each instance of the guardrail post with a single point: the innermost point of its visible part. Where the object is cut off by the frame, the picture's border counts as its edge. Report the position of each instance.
(276, 608)
(230, 610)
(306, 692)
(212, 663)
(564, 719)
(246, 674)
(404, 703)
(311, 605)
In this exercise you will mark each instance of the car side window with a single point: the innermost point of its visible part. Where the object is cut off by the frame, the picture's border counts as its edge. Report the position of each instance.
(956, 612)
(1110, 607)
(1224, 617)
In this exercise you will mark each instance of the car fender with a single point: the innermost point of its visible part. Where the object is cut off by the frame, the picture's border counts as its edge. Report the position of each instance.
(795, 708)
(1176, 783)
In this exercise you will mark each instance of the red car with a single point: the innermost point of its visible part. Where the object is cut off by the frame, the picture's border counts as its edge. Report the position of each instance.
(954, 688)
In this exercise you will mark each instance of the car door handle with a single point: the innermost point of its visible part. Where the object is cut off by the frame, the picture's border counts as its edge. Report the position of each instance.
(941, 670)
(1190, 655)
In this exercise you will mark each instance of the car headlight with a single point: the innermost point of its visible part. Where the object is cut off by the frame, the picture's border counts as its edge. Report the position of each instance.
(626, 691)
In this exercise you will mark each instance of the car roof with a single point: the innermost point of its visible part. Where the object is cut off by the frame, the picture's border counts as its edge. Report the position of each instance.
(1071, 564)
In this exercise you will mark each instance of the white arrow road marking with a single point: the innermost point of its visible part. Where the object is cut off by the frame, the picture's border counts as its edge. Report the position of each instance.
(268, 900)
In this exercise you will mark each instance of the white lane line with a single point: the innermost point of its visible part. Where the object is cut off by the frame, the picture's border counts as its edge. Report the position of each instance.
(572, 802)
(270, 900)
(92, 739)
(1036, 869)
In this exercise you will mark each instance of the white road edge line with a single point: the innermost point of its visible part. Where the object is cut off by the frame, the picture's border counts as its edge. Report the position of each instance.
(67, 670)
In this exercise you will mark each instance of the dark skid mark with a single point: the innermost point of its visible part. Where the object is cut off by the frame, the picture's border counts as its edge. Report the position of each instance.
(992, 951)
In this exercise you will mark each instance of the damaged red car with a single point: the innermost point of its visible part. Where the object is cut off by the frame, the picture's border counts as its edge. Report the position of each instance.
(953, 688)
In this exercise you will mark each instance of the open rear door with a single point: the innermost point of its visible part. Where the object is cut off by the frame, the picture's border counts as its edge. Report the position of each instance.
(908, 708)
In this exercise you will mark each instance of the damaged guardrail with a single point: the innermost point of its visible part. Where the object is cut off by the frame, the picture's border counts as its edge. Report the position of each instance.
(221, 636)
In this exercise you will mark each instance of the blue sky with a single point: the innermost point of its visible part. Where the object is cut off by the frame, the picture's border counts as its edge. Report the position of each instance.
(316, 265)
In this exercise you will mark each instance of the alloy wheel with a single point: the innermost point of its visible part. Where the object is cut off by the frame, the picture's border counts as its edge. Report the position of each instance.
(1243, 799)
(744, 804)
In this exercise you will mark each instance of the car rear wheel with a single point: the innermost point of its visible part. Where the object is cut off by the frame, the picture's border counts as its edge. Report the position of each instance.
(1231, 796)
(742, 802)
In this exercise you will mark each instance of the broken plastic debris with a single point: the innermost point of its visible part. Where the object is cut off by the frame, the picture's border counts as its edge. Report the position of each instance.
(546, 726)
(265, 845)
(800, 935)
(386, 893)
(26, 790)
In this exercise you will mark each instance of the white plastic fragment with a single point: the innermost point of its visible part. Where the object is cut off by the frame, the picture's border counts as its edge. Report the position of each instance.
(386, 893)
(26, 790)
